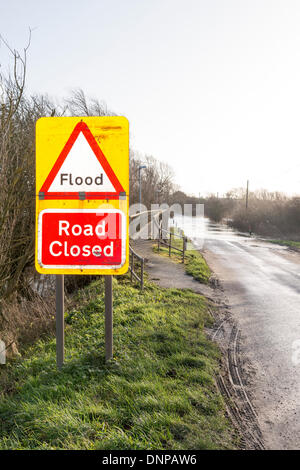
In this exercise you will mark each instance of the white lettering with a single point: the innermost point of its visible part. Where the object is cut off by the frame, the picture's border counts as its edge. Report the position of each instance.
(65, 228)
(97, 250)
(51, 248)
(74, 250)
(100, 229)
(109, 247)
(78, 229)
(88, 230)
(86, 250)
(66, 249)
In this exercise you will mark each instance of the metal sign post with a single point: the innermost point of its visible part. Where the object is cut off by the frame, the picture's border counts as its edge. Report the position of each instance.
(60, 323)
(82, 205)
(108, 318)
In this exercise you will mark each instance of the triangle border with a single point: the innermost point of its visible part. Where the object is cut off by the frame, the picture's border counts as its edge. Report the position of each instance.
(81, 127)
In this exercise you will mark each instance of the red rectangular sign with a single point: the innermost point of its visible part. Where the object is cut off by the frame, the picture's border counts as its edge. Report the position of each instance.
(86, 238)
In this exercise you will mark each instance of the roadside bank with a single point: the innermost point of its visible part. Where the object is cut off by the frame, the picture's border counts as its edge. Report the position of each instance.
(158, 393)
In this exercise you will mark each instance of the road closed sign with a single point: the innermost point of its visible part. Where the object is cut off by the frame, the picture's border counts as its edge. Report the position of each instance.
(82, 239)
(82, 193)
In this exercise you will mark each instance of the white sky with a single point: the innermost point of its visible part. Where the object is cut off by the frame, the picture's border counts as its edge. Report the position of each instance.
(211, 87)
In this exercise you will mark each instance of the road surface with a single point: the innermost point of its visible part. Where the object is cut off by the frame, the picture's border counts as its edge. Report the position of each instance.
(261, 282)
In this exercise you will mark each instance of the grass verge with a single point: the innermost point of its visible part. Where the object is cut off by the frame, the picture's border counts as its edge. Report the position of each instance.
(158, 393)
(290, 243)
(195, 264)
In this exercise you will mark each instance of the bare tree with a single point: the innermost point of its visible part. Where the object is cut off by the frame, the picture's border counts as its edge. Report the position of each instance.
(18, 115)
(79, 105)
(156, 179)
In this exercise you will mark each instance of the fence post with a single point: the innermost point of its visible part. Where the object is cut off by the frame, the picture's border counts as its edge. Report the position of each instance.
(158, 241)
(170, 244)
(131, 264)
(183, 248)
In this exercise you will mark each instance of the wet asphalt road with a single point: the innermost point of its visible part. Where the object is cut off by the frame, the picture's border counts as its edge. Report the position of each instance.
(261, 282)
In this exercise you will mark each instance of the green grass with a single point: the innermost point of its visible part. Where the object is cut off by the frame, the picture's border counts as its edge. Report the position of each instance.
(158, 393)
(195, 264)
(289, 243)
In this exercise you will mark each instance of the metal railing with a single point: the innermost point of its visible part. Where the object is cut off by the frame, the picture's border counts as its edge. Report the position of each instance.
(132, 267)
(133, 256)
(167, 241)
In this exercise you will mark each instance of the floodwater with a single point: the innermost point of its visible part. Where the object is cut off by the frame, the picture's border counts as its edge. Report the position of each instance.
(261, 282)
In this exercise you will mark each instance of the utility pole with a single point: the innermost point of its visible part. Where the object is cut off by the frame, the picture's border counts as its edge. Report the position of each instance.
(140, 185)
(158, 193)
(247, 194)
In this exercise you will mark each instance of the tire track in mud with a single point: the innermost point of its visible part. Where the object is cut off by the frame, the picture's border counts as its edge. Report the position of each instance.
(232, 387)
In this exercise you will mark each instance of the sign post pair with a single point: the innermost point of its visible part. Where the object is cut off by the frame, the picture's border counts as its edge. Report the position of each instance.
(82, 203)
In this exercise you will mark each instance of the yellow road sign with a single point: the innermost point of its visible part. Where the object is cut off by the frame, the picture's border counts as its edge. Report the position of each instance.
(82, 195)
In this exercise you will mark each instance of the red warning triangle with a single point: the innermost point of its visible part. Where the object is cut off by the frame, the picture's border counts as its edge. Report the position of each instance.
(81, 170)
